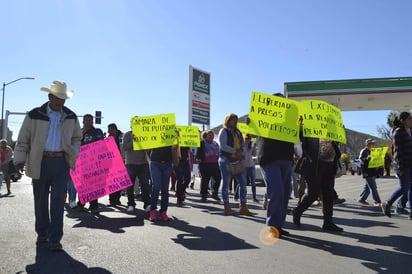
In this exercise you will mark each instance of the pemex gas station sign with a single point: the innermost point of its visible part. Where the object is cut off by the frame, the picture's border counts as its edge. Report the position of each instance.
(199, 96)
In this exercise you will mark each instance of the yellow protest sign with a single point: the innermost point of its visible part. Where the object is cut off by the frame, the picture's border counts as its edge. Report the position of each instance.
(154, 131)
(244, 129)
(189, 136)
(274, 117)
(377, 157)
(322, 120)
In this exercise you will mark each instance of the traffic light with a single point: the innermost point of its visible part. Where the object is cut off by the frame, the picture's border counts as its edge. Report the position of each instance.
(98, 117)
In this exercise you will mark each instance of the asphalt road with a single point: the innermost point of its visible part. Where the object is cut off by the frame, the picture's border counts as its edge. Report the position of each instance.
(200, 239)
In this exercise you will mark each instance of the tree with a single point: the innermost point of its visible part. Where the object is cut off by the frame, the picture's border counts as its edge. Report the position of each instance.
(385, 132)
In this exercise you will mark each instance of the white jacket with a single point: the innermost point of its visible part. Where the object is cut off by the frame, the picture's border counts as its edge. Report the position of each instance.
(32, 139)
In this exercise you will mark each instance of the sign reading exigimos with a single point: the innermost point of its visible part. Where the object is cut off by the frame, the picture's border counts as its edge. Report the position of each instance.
(322, 120)
(154, 131)
(189, 136)
(274, 117)
(377, 157)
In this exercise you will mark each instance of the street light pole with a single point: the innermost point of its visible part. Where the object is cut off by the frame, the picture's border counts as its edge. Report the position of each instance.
(2, 102)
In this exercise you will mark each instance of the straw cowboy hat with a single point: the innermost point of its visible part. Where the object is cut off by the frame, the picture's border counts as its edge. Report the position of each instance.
(59, 89)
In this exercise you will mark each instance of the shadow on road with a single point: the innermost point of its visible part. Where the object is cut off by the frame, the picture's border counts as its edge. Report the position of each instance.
(207, 238)
(59, 262)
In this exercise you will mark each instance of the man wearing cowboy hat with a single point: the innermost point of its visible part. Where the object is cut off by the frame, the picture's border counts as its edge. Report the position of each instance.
(48, 145)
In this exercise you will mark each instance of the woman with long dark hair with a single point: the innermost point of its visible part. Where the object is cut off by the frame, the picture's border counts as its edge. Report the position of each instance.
(402, 143)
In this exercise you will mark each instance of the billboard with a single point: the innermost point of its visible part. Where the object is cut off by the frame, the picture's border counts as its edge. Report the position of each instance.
(199, 97)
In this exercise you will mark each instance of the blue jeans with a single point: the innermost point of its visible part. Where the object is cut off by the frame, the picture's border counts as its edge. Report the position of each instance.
(369, 187)
(277, 176)
(403, 200)
(251, 176)
(54, 176)
(142, 172)
(227, 177)
(71, 190)
(160, 173)
(405, 184)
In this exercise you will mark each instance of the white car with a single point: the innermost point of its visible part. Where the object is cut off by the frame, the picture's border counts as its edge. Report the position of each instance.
(355, 166)
(259, 177)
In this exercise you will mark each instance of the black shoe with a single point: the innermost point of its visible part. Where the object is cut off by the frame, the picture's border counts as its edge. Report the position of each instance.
(192, 185)
(386, 209)
(296, 218)
(81, 208)
(204, 199)
(94, 210)
(179, 203)
(338, 201)
(283, 232)
(215, 196)
(329, 226)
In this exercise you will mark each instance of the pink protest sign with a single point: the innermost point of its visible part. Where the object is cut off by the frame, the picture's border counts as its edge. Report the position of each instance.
(99, 170)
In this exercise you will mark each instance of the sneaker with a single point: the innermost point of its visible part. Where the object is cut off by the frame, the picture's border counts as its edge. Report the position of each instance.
(386, 209)
(72, 204)
(377, 204)
(130, 209)
(316, 203)
(329, 226)
(401, 210)
(163, 216)
(153, 215)
(55, 247)
(147, 208)
(363, 202)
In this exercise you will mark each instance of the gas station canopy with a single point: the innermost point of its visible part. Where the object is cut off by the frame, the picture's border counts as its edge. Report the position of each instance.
(356, 94)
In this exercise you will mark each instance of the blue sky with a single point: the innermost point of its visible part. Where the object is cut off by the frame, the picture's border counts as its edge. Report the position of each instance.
(132, 57)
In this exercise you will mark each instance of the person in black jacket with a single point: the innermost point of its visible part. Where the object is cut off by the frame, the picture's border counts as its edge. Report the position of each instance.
(402, 141)
(114, 198)
(369, 174)
(318, 165)
(90, 135)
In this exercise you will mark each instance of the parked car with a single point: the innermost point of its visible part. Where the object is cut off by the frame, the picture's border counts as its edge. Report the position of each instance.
(355, 166)
(259, 177)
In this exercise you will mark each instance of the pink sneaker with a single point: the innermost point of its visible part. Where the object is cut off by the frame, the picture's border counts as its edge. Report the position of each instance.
(153, 215)
(163, 216)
